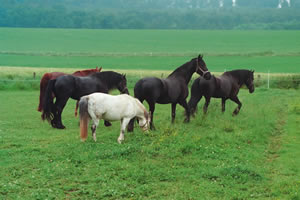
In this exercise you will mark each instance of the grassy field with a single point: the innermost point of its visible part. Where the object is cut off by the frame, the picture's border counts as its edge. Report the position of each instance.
(274, 51)
(253, 155)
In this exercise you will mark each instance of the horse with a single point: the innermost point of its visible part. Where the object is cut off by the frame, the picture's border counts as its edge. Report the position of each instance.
(53, 75)
(226, 86)
(173, 89)
(122, 107)
(69, 86)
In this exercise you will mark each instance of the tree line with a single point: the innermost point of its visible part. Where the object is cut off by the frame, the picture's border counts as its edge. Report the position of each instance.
(62, 16)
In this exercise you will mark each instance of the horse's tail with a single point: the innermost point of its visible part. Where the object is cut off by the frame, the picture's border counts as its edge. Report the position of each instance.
(84, 117)
(195, 96)
(43, 86)
(48, 105)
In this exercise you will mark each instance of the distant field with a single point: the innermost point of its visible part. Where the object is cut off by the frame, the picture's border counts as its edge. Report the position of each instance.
(274, 51)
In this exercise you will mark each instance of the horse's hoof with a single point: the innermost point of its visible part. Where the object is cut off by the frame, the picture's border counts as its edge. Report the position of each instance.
(120, 141)
(53, 124)
(60, 127)
(186, 121)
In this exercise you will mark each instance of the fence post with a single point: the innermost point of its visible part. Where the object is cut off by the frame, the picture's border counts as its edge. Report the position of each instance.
(268, 79)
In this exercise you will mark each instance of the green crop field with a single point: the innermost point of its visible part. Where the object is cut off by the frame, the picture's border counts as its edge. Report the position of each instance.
(254, 155)
(274, 51)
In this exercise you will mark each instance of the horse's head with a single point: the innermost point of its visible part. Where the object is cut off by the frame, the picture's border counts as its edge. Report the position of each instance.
(144, 122)
(122, 86)
(201, 68)
(249, 82)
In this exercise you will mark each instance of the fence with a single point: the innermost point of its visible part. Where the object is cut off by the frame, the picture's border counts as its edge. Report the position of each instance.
(261, 80)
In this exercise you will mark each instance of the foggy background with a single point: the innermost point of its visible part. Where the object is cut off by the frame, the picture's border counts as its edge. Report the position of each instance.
(151, 14)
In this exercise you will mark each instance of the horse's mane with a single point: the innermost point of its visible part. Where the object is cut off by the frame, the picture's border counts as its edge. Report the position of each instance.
(88, 70)
(110, 77)
(182, 68)
(240, 74)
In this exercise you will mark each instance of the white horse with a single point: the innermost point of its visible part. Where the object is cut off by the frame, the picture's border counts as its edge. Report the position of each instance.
(122, 107)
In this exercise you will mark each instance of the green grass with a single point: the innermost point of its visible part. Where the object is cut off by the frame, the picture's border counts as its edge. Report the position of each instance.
(274, 51)
(252, 155)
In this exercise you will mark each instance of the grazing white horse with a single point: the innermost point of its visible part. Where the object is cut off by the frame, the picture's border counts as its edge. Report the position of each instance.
(122, 107)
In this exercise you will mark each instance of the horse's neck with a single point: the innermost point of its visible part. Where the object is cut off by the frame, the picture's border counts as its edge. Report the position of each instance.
(185, 71)
(237, 77)
(109, 81)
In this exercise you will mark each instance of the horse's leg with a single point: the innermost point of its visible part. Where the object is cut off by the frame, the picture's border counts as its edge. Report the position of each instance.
(124, 123)
(54, 120)
(94, 127)
(130, 126)
(151, 108)
(207, 101)
(236, 100)
(193, 103)
(187, 110)
(223, 104)
(60, 104)
(76, 108)
(173, 112)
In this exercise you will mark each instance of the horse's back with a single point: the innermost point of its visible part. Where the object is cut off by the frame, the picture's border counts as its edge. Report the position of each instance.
(207, 87)
(226, 84)
(174, 91)
(111, 107)
(64, 85)
(149, 87)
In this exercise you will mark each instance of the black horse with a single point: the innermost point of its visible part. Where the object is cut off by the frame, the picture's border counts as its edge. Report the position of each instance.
(69, 86)
(173, 89)
(227, 86)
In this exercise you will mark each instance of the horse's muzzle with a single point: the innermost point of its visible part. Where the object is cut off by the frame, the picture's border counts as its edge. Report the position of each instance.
(125, 91)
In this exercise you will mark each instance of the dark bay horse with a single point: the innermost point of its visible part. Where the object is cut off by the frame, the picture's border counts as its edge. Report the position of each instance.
(173, 89)
(226, 86)
(53, 75)
(69, 86)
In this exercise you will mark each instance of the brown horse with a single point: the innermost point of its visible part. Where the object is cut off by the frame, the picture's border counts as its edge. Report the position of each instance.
(53, 75)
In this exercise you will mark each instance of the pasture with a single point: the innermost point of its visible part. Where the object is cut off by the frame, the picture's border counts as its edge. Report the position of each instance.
(252, 155)
(216, 156)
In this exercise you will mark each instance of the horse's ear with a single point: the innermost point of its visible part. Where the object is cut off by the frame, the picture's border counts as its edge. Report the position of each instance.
(124, 75)
(200, 56)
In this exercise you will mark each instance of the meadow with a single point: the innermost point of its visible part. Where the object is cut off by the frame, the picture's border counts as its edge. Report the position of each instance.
(254, 155)
(217, 156)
